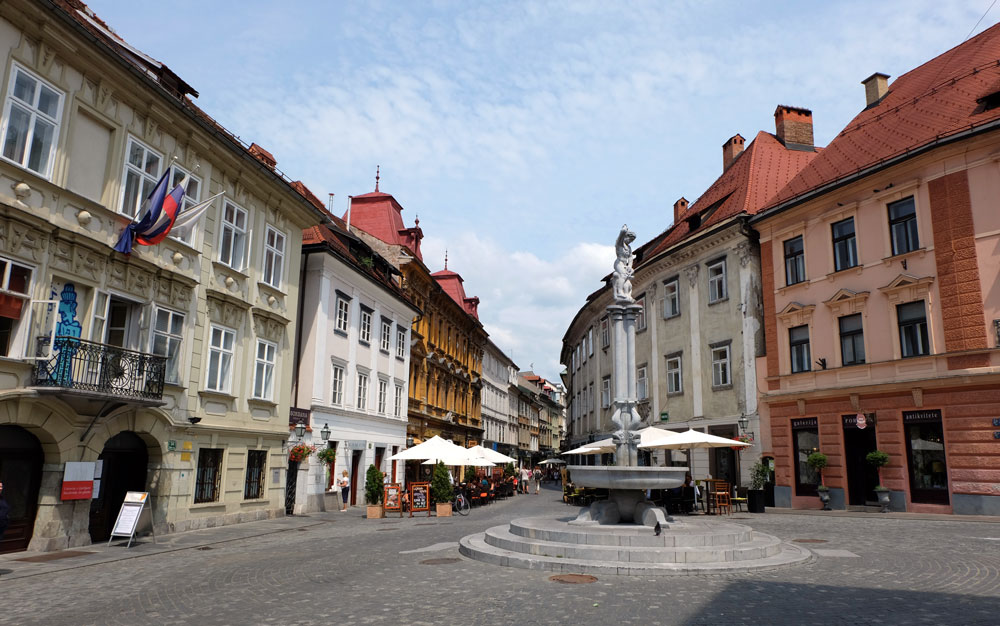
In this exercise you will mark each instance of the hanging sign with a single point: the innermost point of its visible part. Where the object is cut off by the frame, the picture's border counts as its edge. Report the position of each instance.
(78, 480)
(128, 517)
(420, 498)
(859, 421)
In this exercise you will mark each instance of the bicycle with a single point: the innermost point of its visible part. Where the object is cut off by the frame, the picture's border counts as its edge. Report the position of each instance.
(461, 504)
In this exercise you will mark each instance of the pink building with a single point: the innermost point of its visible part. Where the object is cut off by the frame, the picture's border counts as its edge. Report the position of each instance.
(882, 298)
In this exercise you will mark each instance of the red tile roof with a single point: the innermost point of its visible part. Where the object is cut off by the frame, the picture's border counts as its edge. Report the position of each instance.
(451, 283)
(379, 215)
(756, 175)
(928, 104)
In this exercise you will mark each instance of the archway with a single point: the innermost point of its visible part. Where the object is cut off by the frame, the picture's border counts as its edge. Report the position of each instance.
(124, 463)
(21, 459)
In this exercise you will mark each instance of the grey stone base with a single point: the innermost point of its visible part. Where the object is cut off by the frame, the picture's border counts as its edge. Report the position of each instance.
(970, 504)
(783, 496)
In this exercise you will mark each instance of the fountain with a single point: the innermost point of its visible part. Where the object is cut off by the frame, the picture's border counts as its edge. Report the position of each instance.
(626, 534)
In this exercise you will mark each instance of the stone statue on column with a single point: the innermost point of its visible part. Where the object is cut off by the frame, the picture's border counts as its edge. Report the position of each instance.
(622, 276)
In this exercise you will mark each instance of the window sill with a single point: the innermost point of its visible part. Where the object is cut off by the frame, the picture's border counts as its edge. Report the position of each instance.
(211, 393)
(276, 291)
(670, 317)
(263, 403)
(856, 269)
(641, 330)
(337, 331)
(672, 394)
(255, 501)
(222, 266)
(208, 505)
(383, 351)
(719, 301)
(919, 252)
(401, 359)
(722, 387)
(364, 343)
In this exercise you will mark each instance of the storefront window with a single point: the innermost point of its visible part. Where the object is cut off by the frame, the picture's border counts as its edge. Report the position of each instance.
(926, 457)
(805, 439)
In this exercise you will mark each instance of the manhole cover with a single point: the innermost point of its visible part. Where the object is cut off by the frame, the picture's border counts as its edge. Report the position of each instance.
(426, 524)
(444, 561)
(573, 579)
(381, 530)
(809, 540)
(205, 548)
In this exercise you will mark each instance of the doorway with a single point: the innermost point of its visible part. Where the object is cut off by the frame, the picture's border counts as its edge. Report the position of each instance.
(21, 459)
(861, 475)
(291, 485)
(722, 461)
(355, 465)
(123, 468)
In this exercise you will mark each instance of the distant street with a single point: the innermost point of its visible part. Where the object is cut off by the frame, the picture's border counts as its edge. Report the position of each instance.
(336, 568)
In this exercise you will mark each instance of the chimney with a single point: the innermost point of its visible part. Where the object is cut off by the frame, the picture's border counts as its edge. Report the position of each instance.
(263, 155)
(679, 207)
(731, 149)
(794, 127)
(876, 86)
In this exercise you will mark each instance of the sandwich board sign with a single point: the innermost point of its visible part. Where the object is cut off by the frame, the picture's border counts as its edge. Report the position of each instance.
(128, 517)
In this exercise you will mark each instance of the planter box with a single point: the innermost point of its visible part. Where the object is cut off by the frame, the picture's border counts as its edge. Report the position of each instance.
(755, 500)
(443, 509)
(374, 511)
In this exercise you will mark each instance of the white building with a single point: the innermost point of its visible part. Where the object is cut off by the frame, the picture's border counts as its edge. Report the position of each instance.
(354, 361)
(499, 424)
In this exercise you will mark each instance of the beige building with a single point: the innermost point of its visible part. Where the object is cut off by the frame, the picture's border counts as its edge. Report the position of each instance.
(167, 371)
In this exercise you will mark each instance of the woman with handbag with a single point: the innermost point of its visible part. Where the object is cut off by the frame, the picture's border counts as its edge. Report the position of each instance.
(345, 488)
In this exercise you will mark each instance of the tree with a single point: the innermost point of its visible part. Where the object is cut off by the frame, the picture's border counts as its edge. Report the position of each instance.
(440, 485)
(373, 485)
(817, 461)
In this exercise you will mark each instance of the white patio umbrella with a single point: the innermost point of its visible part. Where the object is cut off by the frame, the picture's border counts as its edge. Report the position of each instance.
(603, 446)
(460, 459)
(430, 449)
(691, 439)
(652, 433)
(491, 455)
(553, 462)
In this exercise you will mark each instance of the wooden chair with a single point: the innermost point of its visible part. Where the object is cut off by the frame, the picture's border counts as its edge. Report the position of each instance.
(721, 496)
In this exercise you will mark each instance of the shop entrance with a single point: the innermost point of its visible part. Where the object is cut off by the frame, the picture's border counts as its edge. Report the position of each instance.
(722, 461)
(861, 475)
(356, 456)
(123, 468)
(21, 473)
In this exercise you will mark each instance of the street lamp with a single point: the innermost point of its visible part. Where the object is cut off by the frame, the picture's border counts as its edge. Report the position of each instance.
(744, 422)
(300, 430)
(324, 434)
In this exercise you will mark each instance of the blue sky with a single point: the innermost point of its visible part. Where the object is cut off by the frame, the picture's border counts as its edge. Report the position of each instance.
(524, 134)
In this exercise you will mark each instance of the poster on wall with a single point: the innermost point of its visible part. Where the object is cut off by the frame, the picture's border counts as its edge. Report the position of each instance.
(78, 480)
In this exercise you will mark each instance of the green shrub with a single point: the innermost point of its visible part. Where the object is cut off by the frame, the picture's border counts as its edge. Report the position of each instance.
(470, 474)
(879, 459)
(373, 485)
(508, 470)
(440, 485)
(817, 461)
(759, 475)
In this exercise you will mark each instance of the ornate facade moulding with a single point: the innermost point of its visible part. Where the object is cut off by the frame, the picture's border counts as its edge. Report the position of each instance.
(796, 314)
(847, 302)
(906, 288)
(226, 310)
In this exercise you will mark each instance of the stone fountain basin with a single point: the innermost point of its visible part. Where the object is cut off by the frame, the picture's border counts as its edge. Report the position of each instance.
(613, 477)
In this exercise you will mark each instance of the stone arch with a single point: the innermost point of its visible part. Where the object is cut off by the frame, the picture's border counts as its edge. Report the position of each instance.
(150, 424)
(49, 419)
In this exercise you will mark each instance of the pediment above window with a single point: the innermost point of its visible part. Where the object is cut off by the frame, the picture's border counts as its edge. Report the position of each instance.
(847, 302)
(796, 314)
(906, 288)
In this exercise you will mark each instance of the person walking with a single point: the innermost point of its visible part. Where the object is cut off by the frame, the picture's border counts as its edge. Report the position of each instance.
(345, 488)
(4, 512)
(525, 477)
(538, 479)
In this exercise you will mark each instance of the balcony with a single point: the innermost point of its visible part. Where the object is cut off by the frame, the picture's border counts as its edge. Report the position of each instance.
(95, 370)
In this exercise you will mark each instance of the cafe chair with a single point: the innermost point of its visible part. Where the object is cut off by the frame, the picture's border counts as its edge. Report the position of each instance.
(740, 499)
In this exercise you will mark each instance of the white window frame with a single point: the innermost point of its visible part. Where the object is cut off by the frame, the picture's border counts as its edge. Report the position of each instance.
(337, 384)
(343, 322)
(365, 327)
(401, 342)
(717, 289)
(605, 333)
(142, 175)
(361, 402)
(671, 298)
(605, 392)
(641, 383)
(398, 406)
(236, 234)
(717, 367)
(675, 374)
(20, 332)
(385, 340)
(192, 195)
(272, 272)
(382, 397)
(35, 115)
(263, 369)
(590, 340)
(640, 315)
(169, 337)
(589, 407)
(221, 386)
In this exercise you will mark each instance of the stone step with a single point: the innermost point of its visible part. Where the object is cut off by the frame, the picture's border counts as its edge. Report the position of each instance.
(761, 546)
(475, 547)
(685, 533)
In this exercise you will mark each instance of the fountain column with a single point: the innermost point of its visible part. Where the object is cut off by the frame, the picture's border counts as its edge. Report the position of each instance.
(625, 416)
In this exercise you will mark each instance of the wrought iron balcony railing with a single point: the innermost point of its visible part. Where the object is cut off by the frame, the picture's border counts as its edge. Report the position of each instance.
(97, 368)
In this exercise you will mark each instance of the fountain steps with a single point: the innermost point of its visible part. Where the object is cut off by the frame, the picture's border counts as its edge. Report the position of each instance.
(683, 549)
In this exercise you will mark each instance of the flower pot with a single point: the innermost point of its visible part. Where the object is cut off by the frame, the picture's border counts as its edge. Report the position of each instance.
(824, 497)
(443, 509)
(374, 511)
(883, 499)
(755, 500)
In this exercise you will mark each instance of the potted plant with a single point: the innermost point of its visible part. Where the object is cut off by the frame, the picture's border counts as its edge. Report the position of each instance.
(817, 461)
(880, 459)
(759, 475)
(373, 492)
(441, 490)
(300, 452)
(470, 474)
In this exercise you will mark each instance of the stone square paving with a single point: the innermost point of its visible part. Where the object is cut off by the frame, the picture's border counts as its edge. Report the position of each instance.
(341, 568)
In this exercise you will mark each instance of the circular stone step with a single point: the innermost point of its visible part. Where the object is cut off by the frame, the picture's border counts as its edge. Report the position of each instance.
(677, 534)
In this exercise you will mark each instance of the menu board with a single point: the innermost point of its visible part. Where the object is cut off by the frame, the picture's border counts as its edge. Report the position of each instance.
(420, 497)
(392, 498)
(128, 516)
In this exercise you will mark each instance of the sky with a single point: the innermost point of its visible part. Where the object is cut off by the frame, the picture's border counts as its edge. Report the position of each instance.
(523, 134)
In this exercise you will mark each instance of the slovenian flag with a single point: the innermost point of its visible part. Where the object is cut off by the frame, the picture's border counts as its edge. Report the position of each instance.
(157, 216)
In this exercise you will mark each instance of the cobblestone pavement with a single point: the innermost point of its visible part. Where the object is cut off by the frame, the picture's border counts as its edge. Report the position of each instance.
(340, 568)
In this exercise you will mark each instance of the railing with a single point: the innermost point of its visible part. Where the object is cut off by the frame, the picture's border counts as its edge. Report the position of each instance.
(98, 368)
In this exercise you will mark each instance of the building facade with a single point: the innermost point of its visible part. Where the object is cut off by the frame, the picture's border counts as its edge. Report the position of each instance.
(354, 367)
(880, 294)
(167, 371)
(499, 425)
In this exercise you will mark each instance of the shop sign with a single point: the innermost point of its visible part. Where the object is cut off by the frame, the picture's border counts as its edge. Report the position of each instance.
(860, 420)
(298, 416)
(916, 417)
(805, 422)
(355, 444)
(78, 480)
(171, 445)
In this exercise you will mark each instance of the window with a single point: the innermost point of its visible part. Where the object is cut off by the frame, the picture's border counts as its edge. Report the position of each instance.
(852, 340)
(720, 367)
(925, 456)
(31, 122)
(605, 333)
(192, 195)
(606, 392)
(798, 342)
(220, 359)
(806, 441)
(365, 332)
(253, 487)
(263, 379)
(385, 339)
(795, 261)
(640, 314)
(15, 284)
(641, 392)
(398, 407)
(590, 340)
(343, 314)
(583, 349)
(401, 342)
(912, 329)
(674, 377)
(671, 299)
(209, 475)
(903, 226)
(845, 247)
(142, 172)
(232, 247)
(274, 257)
(383, 391)
(362, 391)
(338, 385)
(717, 281)
(589, 406)
(168, 330)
